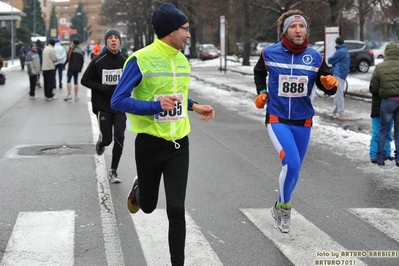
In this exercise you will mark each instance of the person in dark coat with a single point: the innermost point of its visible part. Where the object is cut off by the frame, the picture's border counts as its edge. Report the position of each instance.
(375, 131)
(385, 84)
(22, 55)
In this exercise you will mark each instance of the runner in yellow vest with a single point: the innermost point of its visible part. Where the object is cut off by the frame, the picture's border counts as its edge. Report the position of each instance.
(153, 91)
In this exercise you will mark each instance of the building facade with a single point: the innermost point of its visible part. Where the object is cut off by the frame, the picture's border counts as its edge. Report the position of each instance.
(66, 10)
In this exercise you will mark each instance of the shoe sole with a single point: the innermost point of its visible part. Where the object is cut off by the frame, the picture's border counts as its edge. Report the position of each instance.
(115, 180)
(282, 231)
(133, 208)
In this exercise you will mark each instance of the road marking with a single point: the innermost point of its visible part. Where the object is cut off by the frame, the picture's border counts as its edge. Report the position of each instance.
(385, 220)
(302, 244)
(113, 249)
(41, 238)
(152, 230)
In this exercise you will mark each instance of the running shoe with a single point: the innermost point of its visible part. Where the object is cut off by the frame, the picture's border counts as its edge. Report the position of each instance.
(339, 116)
(51, 98)
(283, 220)
(76, 98)
(34, 97)
(100, 148)
(68, 98)
(113, 176)
(132, 204)
(332, 114)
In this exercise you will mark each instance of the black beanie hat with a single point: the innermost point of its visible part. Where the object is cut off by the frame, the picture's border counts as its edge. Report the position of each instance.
(52, 42)
(339, 40)
(166, 19)
(112, 32)
(76, 42)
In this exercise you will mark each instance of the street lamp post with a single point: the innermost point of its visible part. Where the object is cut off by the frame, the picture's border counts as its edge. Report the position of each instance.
(12, 32)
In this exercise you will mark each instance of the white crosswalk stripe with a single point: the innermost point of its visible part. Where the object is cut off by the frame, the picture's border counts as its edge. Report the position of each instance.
(47, 238)
(299, 246)
(152, 230)
(40, 237)
(385, 220)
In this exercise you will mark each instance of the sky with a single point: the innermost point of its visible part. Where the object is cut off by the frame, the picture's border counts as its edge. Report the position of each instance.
(348, 143)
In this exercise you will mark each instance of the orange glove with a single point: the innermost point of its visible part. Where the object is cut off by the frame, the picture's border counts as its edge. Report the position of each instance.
(329, 82)
(260, 100)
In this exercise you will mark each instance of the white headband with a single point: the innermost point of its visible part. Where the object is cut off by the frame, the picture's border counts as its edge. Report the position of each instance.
(293, 18)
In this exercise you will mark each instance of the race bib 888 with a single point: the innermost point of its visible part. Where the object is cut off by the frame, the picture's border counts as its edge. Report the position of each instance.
(292, 86)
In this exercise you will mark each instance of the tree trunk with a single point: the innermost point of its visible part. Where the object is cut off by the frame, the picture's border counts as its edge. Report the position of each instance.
(247, 32)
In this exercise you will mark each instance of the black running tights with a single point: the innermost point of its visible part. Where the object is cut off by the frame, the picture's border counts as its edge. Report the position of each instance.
(112, 126)
(156, 157)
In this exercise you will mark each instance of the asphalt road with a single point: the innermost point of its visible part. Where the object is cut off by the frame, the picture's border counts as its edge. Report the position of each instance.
(233, 180)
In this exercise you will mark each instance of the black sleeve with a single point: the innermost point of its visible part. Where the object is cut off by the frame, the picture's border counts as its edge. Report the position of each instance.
(324, 70)
(260, 74)
(89, 77)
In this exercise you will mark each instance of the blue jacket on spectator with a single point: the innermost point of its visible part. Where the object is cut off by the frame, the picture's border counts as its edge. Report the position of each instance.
(340, 61)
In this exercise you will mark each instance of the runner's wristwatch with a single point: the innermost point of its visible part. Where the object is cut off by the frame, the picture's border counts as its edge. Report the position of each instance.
(190, 108)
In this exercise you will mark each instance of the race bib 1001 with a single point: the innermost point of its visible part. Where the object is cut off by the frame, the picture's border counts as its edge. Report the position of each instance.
(111, 76)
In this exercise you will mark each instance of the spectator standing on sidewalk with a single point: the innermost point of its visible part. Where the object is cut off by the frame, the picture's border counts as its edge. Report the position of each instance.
(340, 61)
(375, 131)
(155, 96)
(39, 47)
(33, 65)
(22, 57)
(75, 61)
(293, 68)
(59, 65)
(102, 76)
(91, 46)
(385, 84)
(2, 75)
(48, 67)
(187, 51)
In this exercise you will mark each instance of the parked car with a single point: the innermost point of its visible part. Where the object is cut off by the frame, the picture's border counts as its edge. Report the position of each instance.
(362, 56)
(373, 44)
(207, 51)
(259, 47)
(379, 52)
(319, 46)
